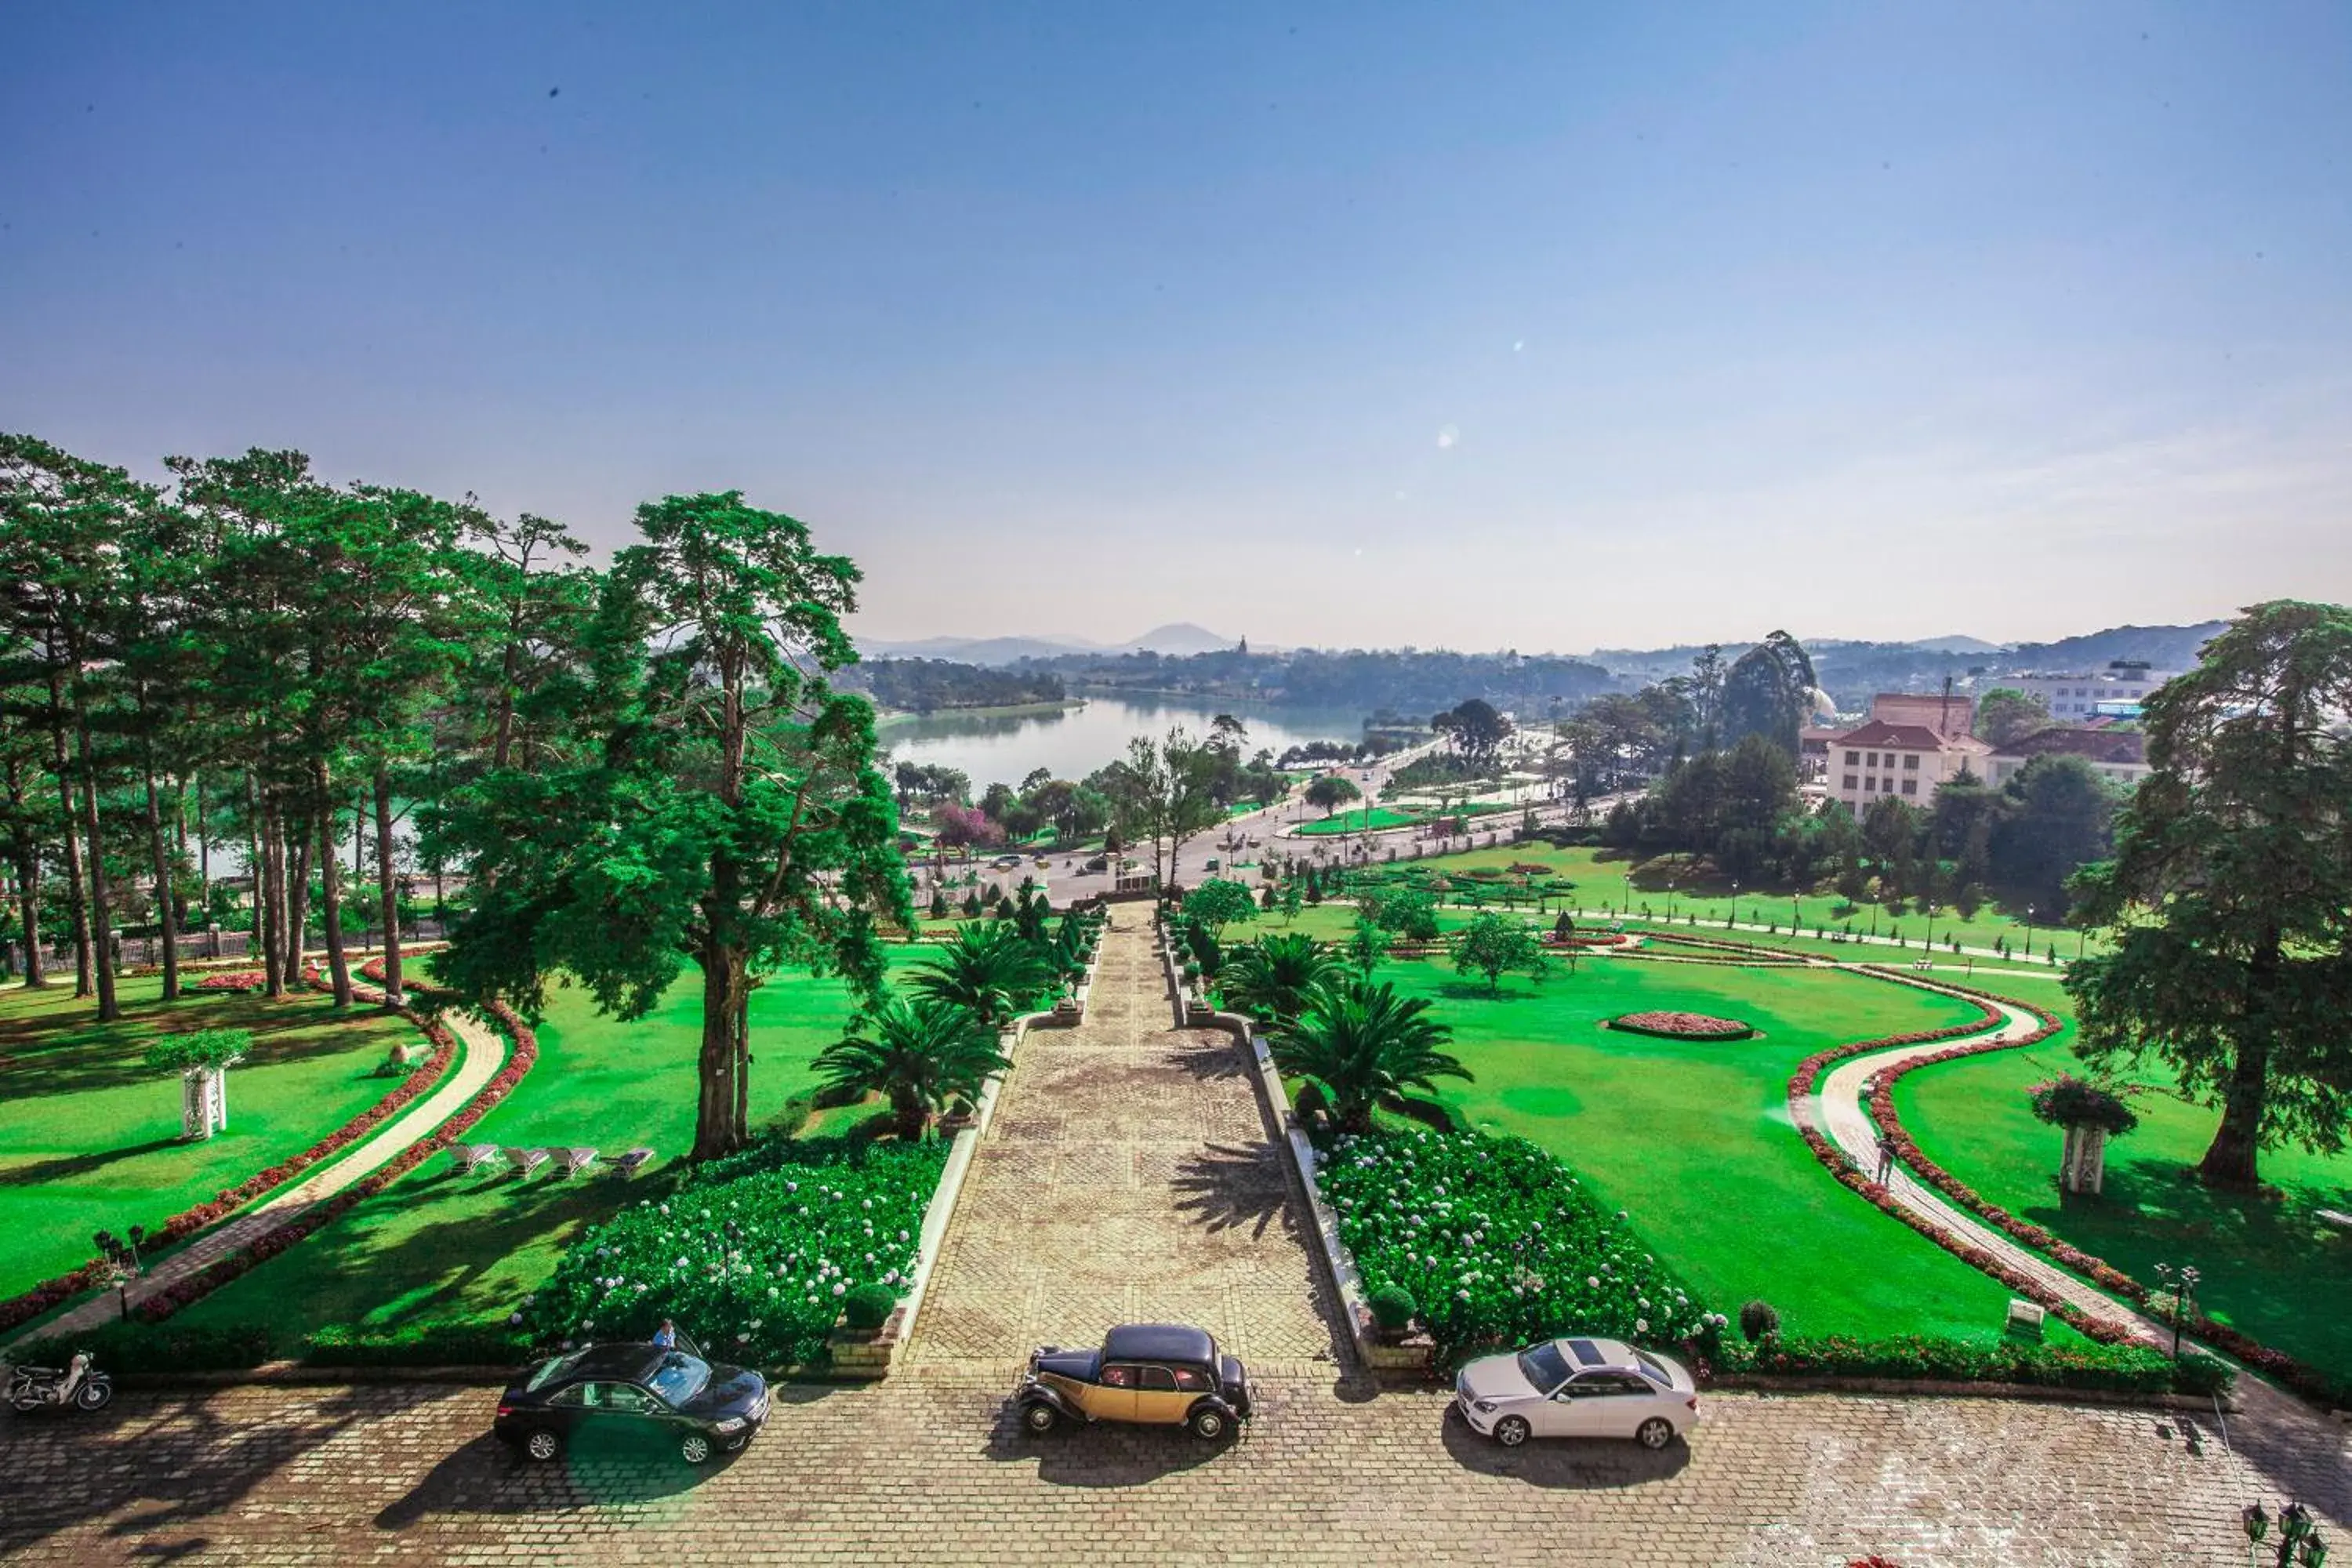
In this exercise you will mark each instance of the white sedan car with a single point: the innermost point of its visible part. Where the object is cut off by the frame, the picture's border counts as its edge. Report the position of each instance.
(1577, 1388)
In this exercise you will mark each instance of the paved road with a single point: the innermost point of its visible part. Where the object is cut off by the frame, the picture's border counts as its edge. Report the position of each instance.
(1126, 1173)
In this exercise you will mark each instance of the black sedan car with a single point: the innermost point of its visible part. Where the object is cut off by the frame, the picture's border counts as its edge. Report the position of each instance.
(634, 1395)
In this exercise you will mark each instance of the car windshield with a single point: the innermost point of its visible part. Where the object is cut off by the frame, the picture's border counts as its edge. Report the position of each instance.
(549, 1372)
(1544, 1367)
(1652, 1371)
(679, 1377)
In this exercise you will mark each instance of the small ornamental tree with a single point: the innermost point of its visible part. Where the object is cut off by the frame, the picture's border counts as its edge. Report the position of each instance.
(1411, 915)
(202, 1060)
(1494, 944)
(1332, 790)
(1218, 903)
(2090, 1115)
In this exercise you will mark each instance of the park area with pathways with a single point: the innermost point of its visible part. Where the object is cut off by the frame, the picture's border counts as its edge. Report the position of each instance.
(1131, 1173)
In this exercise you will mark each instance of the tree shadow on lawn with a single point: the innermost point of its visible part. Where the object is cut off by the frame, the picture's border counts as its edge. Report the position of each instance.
(1589, 1464)
(82, 1056)
(70, 1167)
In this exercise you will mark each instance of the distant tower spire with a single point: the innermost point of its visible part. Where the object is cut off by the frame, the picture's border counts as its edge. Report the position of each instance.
(1244, 647)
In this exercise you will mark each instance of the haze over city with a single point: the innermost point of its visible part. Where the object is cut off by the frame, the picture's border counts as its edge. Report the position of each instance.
(1883, 323)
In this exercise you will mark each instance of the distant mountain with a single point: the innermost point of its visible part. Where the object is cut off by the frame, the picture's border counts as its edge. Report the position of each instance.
(1179, 639)
(1956, 644)
(2165, 647)
(1182, 640)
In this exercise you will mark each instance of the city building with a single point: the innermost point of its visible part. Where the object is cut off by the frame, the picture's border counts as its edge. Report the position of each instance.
(1909, 762)
(2119, 756)
(2075, 697)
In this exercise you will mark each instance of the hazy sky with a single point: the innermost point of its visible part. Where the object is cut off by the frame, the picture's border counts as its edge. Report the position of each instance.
(1542, 326)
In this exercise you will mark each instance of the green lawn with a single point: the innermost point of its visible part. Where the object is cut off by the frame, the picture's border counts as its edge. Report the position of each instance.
(1358, 820)
(2271, 1268)
(89, 1140)
(1694, 1140)
(438, 1247)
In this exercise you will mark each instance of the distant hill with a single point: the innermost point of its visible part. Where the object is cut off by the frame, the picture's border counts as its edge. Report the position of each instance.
(1956, 644)
(1179, 639)
(2165, 647)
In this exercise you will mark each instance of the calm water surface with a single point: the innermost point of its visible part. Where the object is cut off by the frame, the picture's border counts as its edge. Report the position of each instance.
(1075, 741)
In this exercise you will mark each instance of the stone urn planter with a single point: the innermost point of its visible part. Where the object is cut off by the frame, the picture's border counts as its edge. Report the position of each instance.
(1402, 1352)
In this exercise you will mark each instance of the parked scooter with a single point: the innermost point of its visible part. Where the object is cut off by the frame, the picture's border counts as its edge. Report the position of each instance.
(79, 1385)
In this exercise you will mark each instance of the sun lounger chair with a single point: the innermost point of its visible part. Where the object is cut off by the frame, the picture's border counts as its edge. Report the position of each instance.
(571, 1161)
(629, 1162)
(469, 1158)
(526, 1161)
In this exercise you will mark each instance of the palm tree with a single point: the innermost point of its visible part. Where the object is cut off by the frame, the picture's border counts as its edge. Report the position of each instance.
(921, 1057)
(989, 971)
(1270, 978)
(1366, 1046)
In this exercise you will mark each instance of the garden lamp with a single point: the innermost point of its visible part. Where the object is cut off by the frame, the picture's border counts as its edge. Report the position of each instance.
(2257, 1522)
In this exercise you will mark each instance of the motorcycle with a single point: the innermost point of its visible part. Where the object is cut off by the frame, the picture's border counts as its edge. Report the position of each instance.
(77, 1385)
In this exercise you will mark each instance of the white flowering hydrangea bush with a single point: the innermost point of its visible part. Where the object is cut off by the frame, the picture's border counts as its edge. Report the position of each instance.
(752, 1257)
(1499, 1244)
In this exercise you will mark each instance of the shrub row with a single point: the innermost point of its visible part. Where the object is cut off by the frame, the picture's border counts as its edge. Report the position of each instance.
(754, 1254)
(417, 1344)
(2305, 1379)
(162, 1303)
(1497, 1243)
(2116, 1368)
(50, 1292)
(137, 1346)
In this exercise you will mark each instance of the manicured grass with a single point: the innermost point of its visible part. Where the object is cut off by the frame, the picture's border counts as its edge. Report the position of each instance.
(89, 1140)
(438, 1247)
(1693, 1139)
(2271, 1268)
(1607, 879)
(1359, 819)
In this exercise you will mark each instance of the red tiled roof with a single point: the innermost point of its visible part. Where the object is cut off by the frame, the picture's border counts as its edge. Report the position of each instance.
(2115, 747)
(1902, 737)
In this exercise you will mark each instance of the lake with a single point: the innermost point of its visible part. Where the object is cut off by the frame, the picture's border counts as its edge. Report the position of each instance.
(1075, 742)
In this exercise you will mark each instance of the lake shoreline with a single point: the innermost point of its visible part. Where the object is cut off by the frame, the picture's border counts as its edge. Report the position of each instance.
(899, 718)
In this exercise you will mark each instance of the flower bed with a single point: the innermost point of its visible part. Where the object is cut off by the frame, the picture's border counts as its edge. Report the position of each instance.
(48, 1293)
(232, 979)
(2115, 1368)
(1497, 1243)
(2305, 1379)
(162, 1303)
(1683, 1025)
(753, 1256)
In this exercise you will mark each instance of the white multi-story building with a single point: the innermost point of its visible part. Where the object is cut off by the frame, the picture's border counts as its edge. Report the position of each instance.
(2075, 698)
(1909, 762)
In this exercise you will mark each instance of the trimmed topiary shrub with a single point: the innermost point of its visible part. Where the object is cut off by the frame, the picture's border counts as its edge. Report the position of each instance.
(1759, 1321)
(1392, 1307)
(868, 1307)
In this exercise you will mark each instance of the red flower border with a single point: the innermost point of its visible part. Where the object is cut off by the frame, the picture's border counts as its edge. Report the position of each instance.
(2277, 1363)
(270, 1243)
(48, 1293)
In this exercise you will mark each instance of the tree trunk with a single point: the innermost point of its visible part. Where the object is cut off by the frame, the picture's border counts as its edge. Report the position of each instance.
(388, 887)
(330, 889)
(28, 881)
(101, 923)
(268, 891)
(167, 917)
(719, 1122)
(2231, 1160)
(297, 856)
(204, 855)
(77, 896)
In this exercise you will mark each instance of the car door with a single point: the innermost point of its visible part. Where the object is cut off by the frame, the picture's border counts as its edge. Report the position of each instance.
(1612, 1404)
(639, 1416)
(1157, 1397)
(1112, 1397)
(1581, 1407)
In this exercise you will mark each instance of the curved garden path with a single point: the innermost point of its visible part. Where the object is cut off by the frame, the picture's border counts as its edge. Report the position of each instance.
(480, 1054)
(2281, 1432)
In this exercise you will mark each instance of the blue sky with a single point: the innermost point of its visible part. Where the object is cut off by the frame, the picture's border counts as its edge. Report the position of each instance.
(1541, 326)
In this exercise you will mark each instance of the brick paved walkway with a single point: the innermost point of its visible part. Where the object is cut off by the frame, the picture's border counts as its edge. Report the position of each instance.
(482, 1052)
(1129, 1176)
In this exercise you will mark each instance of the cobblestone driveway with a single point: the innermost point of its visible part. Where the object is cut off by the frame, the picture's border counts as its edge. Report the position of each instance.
(1127, 1175)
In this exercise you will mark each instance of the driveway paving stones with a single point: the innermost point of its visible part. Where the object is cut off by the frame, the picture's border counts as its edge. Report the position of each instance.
(1129, 1175)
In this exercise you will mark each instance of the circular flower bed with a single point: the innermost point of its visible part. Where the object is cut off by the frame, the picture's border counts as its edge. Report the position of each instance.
(1683, 1025)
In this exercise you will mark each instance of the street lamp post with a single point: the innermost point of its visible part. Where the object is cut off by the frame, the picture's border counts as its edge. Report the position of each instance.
(2182, 1283)
(1735, 901)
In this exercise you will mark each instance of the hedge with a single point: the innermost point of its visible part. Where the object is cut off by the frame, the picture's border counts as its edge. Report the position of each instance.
(2115, 1368)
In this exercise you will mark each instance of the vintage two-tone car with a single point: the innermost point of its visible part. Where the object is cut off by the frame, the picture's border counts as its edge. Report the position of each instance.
(1159, 1373)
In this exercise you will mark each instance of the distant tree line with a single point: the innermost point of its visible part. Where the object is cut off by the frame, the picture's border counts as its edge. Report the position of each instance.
(931, 685)
(1410, 679)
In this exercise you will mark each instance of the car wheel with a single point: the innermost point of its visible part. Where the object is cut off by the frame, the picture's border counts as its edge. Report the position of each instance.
(1208, 1424)
(694, 1449)
(1512, 1430)
(542, 1446)
(1655, 1433)
(1039, 1417)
